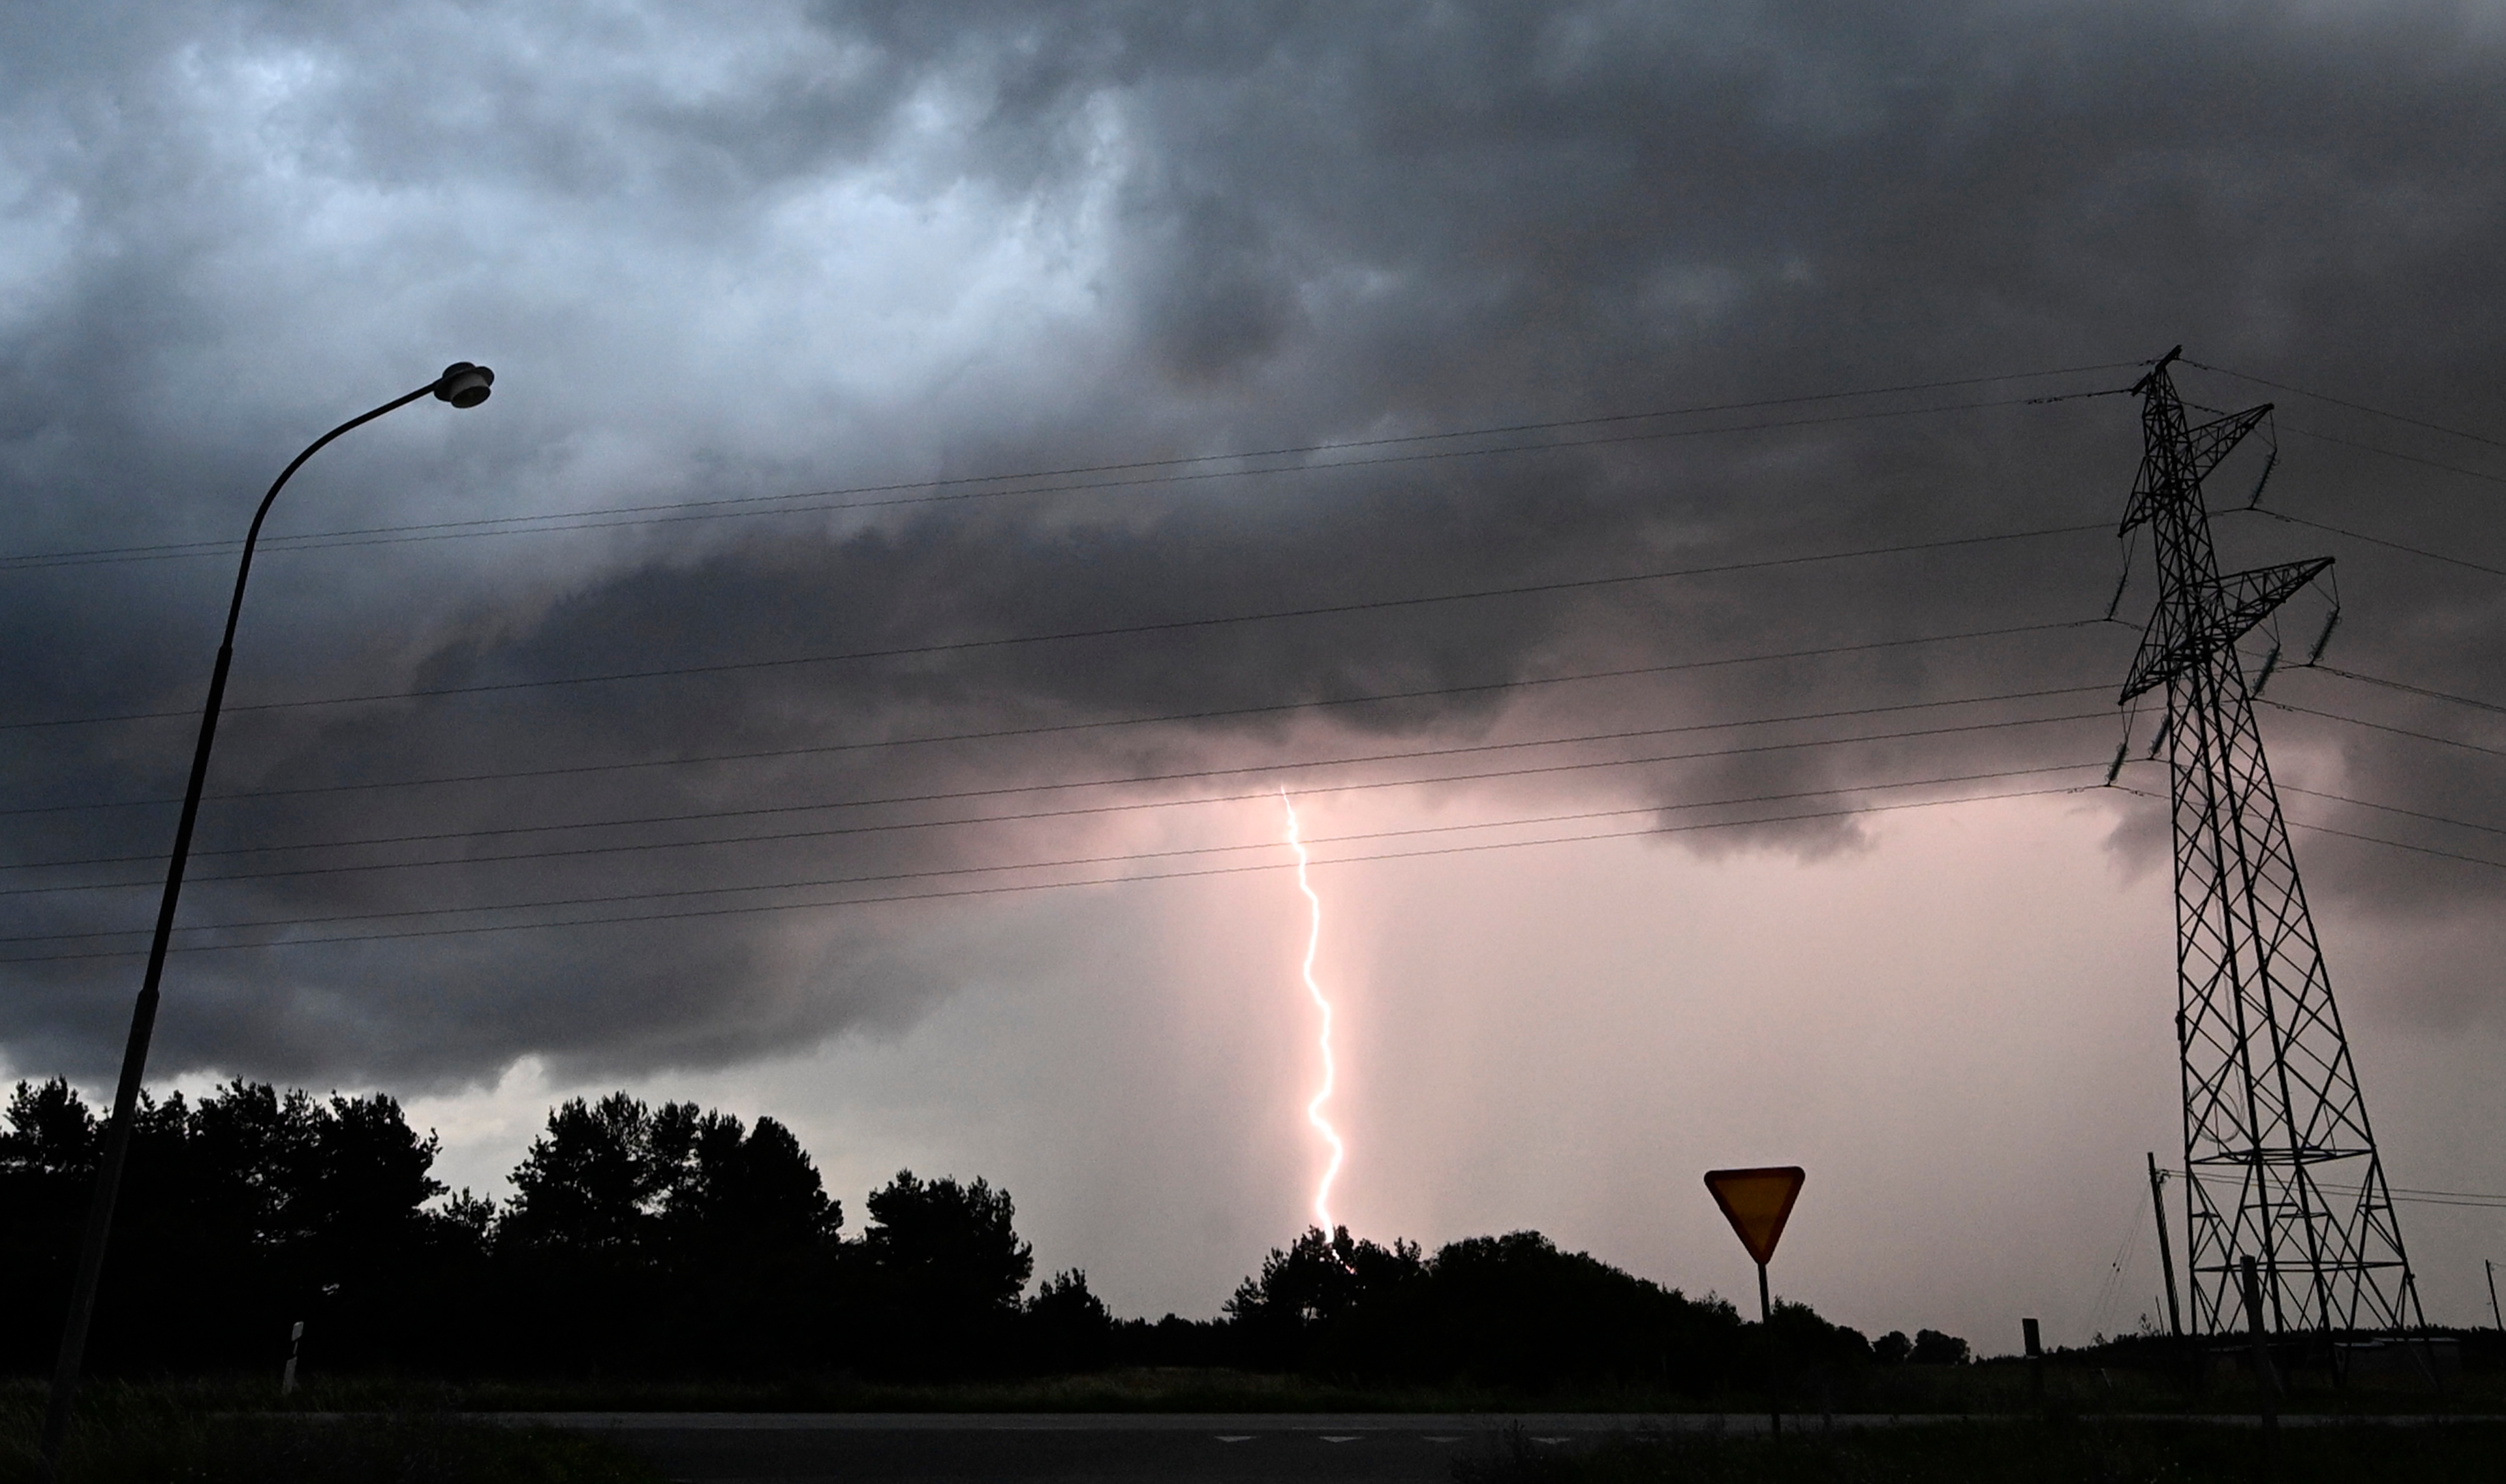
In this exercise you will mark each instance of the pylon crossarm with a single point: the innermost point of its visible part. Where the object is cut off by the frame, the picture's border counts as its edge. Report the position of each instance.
(2167, 479)
(2229, 608)
(2208, 444)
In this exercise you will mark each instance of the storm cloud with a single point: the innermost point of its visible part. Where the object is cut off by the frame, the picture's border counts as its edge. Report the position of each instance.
(777, 294)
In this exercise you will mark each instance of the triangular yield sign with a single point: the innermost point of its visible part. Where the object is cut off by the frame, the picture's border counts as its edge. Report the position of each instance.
(1755, 1202)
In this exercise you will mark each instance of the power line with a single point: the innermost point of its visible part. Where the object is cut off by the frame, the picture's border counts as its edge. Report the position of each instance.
(2358, 406)
(657, 512)
(2413, 690)
(2351, 535)
(2392, 808)
(2418, 850)
(2341, 834)
(1404, 754)
(2389, 809)
(696, 815)
(2378, 726)
(673, 893)
(1328, 703)
(2408, 458)
(2476, 1199)
(1105, 782)
(712, 912)
(1162, 626)
(1483, 824)
(1075, 863)
(2317, 828)
(1127, 779)
(2365, 448)
(1135, 779)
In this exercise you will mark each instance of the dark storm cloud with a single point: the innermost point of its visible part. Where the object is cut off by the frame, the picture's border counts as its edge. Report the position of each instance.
(1232, 227)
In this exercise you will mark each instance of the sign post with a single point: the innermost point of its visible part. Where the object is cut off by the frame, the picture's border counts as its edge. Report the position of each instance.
(1757, 1202)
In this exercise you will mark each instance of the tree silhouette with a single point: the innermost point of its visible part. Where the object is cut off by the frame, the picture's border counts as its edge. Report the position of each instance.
(674, 1240)
(368, 1179)
(944, 1271)
(51, 1133)
(726, 1188)
(954, 1246)
(242, 1213)
(1933, 1347)
(1314, 1282)
(586, 1186)
(1069, 1327)
(251, 1161)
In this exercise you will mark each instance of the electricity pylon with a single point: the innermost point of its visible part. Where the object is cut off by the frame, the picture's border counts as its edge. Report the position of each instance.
(2280, 1162)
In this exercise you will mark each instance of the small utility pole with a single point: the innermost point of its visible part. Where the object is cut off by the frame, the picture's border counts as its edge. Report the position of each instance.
(1766, 1326)
(2266, 1375)
(2493, 1294)
(2166, 1253)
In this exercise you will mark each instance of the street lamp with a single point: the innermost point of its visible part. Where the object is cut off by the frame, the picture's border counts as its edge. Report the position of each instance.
(463, 384)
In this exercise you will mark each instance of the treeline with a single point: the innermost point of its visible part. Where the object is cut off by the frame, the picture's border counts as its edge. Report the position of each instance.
(673, 1242)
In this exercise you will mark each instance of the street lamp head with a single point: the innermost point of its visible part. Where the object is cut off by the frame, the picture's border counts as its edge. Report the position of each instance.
(463, 385)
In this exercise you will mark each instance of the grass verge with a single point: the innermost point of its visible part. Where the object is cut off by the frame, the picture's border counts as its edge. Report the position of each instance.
(137, 1435)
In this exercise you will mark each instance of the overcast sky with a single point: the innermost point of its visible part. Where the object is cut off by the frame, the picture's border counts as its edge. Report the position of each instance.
(1102, 415)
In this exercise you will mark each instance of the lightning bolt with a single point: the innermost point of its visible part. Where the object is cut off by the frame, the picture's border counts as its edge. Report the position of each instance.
(1331, 1069)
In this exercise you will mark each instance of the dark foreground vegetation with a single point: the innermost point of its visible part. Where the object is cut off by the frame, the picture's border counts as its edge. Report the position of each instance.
(673, 1244)
(130, 1435)
(2072, 1452)
(674, 1257)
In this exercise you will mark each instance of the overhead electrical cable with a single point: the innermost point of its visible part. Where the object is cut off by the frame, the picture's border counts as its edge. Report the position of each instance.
(714, 911)
(828, 832)
(952, 488)
(1152, 855)
(2478, 1200)
(679, 892)
(1581, 765)
(2378, 726)
(2365, 446)
(2341, 834)
(1050, 728)
(2475, 1199)
(1160, 625)
(1483, 824)
(2400, 845)
(2396, 685)
(2352, 535)
(1118, 780)
(1113, 780)
(2408, 458)
(2355, 407)
(2393, 809)
(2357, 803)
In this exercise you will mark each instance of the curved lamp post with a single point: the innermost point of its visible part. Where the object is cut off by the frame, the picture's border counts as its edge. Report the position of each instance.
(463, 385)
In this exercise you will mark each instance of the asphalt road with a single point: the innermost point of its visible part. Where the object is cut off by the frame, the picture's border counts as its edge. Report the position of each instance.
(767, 1448)
(1222, 1448)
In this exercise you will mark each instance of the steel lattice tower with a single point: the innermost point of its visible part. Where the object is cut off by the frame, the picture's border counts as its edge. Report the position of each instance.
(2281, 1164)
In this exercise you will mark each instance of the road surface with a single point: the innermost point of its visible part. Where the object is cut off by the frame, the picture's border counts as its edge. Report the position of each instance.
(1220, 1448)
(1017, 1448)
